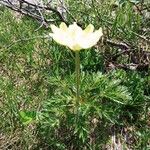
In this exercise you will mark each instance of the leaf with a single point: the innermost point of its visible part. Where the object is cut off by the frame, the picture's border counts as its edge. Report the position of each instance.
(27, 117)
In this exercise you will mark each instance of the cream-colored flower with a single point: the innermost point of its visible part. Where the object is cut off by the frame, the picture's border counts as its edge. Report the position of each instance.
(74, 37)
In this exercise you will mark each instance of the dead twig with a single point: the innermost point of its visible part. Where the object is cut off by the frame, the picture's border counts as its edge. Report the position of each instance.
(38, 8)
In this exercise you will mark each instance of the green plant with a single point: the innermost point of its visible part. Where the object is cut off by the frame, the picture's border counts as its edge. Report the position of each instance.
(96, 91)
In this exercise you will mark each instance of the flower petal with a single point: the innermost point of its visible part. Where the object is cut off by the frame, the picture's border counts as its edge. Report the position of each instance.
(74, 30)
(63, 26)
(95, 37)
(57, 38)
(54, 28)
(89, 29)
(75, 47)
(91, 39)
(97, 34)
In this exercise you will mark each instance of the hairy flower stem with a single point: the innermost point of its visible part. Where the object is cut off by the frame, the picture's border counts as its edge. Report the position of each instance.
(77, 71)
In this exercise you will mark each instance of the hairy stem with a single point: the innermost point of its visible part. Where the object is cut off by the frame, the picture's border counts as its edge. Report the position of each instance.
(77, 71)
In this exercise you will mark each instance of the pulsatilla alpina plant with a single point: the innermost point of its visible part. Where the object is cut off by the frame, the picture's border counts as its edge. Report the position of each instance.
(72, 115)
(76, 39)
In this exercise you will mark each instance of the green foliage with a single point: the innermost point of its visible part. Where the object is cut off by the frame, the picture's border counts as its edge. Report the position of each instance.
(37, 84)
(101, 99)
(27, 117)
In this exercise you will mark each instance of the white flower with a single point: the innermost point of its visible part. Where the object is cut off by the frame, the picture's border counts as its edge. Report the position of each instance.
(74, 37)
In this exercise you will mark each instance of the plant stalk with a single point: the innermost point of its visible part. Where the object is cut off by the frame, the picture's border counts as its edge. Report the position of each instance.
(77, 71)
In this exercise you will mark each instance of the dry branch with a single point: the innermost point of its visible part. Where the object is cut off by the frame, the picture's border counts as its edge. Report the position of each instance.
(34, 9)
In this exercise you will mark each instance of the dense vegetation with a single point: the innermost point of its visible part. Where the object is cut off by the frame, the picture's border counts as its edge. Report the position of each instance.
(37, 81)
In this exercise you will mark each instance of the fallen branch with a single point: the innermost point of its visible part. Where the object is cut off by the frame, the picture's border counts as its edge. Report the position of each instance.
(37, 11)
(132, 66)
(121, 45)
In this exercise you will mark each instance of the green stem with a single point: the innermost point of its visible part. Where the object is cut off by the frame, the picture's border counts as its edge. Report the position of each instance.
(77, 70)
